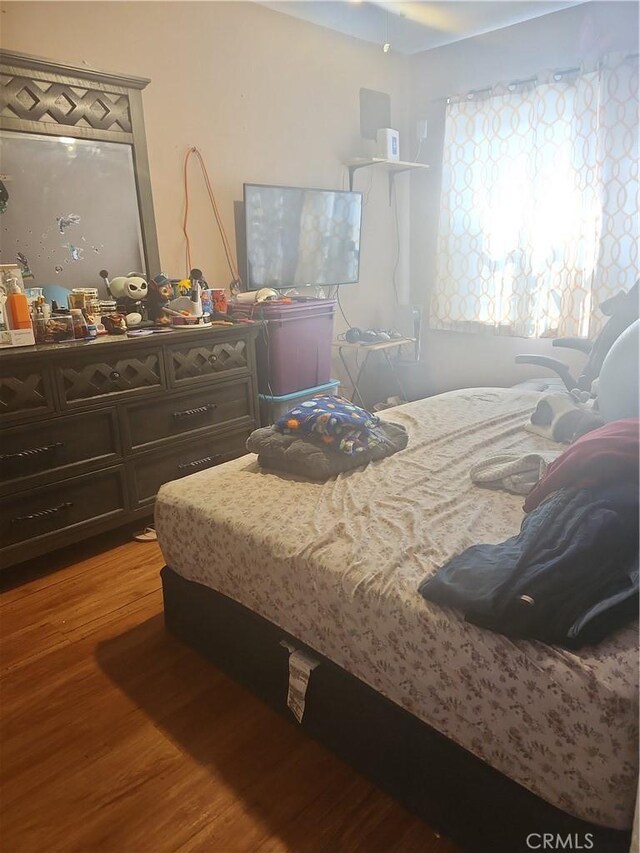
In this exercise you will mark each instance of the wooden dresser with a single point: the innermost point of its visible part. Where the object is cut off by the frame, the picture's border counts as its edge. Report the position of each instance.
(91, 431)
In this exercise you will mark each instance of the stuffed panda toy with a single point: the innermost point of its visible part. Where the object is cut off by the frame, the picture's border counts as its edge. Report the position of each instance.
(129, 291)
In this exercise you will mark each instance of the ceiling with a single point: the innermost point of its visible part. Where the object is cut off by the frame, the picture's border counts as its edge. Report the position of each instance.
(411, 27)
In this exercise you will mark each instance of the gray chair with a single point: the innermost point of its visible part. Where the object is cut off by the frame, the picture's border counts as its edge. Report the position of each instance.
(619, 381)
(622, 311)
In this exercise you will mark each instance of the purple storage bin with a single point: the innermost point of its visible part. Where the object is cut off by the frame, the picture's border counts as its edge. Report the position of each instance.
(294, 347)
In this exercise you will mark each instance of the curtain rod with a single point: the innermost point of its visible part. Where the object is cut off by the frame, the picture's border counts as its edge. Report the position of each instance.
(513, 85)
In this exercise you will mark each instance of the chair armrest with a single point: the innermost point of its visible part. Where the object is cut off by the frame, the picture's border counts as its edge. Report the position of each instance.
(581, 344)
(551, 364)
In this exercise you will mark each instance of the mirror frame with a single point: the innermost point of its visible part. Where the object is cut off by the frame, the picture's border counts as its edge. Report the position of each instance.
(56, 99)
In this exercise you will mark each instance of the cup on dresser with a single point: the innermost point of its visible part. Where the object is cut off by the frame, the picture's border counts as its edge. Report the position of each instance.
(220, 302)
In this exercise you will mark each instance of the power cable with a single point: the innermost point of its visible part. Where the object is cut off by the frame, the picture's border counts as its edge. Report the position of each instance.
(344, 316)
(214, 206)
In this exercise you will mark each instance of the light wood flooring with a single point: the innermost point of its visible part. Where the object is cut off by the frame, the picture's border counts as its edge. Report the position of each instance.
(116, 737)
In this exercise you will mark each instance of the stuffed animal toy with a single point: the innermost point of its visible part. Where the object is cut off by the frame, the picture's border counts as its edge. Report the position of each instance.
(160, 292)
(129, 291)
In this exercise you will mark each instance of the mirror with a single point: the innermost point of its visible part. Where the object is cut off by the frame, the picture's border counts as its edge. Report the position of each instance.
(75, 193)
(70, 208)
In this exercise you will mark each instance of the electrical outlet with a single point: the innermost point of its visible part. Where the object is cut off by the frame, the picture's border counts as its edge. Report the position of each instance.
(421, 129)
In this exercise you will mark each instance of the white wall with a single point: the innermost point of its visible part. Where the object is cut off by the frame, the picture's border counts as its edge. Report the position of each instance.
(580, 34)
(267, 98)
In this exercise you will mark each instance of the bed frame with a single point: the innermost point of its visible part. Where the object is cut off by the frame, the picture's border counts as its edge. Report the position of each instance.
(457, 794)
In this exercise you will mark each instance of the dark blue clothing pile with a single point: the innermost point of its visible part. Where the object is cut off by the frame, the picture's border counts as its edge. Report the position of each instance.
(569, 578)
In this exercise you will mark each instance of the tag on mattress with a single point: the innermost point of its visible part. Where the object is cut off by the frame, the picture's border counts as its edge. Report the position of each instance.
(301, 666)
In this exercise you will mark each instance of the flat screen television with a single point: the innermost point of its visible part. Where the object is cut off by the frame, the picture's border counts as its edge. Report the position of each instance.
(298, 237)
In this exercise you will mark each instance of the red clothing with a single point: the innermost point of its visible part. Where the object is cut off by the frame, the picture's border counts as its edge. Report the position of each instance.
(605, 455)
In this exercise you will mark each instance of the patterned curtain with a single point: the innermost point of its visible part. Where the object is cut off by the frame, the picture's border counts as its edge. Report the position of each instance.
(539, 209)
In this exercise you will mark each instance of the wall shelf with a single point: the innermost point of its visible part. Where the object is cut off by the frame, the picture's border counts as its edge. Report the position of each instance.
(392, 167)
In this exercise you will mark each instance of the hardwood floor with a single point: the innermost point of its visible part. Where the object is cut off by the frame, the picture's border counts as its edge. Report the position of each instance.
(115, 737)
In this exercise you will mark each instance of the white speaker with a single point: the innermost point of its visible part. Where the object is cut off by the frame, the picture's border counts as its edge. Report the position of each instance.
(416, 316)
(408, 320)
(388, 143)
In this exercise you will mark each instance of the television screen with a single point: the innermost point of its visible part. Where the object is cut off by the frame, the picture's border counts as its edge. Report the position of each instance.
(298, 237)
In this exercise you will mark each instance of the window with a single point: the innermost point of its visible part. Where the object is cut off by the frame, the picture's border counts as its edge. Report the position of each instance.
(539, 210)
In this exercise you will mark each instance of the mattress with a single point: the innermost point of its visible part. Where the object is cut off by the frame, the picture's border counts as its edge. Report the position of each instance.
(338, 564)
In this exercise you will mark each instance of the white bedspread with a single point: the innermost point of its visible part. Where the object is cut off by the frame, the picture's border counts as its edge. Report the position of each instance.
(338, 565)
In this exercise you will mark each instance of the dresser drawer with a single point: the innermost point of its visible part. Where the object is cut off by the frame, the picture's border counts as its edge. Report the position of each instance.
(197, 362)
(25, 391)
(151, 471)
(110, 376)
(180, 414)
(51, 510)
(53, 449)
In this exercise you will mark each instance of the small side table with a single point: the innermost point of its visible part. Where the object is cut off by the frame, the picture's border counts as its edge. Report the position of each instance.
(385, 347)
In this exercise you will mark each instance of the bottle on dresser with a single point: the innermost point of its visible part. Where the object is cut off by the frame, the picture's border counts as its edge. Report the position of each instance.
(16, 305)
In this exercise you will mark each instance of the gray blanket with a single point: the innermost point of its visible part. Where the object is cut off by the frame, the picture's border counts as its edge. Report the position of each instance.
(311, 459)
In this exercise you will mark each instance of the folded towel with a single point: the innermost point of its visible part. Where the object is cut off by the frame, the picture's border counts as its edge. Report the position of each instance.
(514, 472)
(561, 417)
(308, 457)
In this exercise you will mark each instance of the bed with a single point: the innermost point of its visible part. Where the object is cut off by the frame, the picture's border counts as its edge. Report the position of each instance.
(255, 557)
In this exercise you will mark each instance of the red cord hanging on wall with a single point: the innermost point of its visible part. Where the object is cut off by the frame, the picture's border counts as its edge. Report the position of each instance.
(235, 276)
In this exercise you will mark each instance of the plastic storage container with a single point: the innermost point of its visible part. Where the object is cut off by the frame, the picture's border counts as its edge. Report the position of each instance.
(272, 408)
(294, 347)
(54, 330)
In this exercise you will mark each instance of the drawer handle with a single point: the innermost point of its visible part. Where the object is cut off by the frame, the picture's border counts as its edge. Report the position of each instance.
(114, 375)
(42, 513)
(198, 462)
(212, 358)
(199, 411)
(32, 451)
